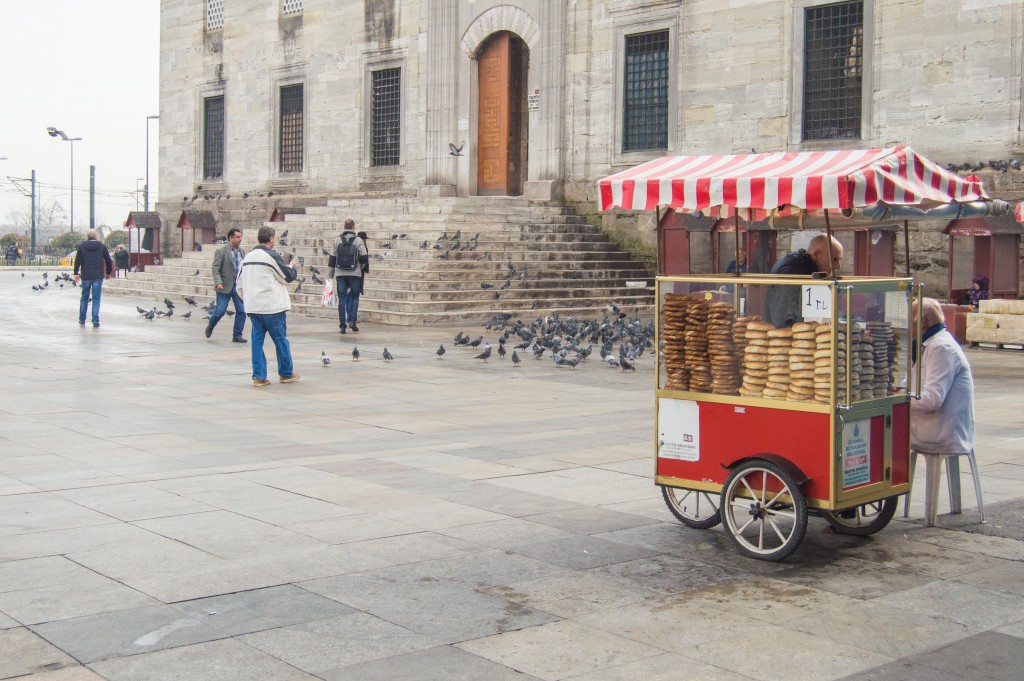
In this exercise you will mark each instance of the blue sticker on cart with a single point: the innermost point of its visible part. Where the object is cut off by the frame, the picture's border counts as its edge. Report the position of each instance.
(856, 452)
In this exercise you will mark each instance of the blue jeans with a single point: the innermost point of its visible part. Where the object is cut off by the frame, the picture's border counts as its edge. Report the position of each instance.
(222, 307)
(90, 288)
(349, 289)
(277, 327)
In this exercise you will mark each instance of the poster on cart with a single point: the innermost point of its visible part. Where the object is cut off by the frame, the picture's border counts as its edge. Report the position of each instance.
(678, 430)
(856, 453)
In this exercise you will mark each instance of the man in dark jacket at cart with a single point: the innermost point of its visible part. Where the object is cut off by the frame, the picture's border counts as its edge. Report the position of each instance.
(782, 303)
(93, 264)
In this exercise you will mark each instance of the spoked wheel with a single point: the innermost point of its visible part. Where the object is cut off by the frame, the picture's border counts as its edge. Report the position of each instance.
(694, 508)
(764, 510)
(863, 520)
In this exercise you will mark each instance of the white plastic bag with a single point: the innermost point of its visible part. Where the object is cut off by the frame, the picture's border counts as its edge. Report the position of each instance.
(327, 299)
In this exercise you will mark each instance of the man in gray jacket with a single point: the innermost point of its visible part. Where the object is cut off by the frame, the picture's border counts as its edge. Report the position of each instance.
(346, 266)
(227, 261)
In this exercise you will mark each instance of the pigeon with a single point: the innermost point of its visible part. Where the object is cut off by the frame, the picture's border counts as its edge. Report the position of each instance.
(299, 287)
(440, 351)
(141, 311)
(523, 345)
(325, 359)
(445, 255)
(394, 237)
(326, 252)
(612, 362)
(457, 236)
(978, 166)
(486, 286)
(284, 234)
(187, 315)
(230, 313)
(485, 355)
(497, 295)
(475, 343)
(190, 301)
(388, 356)
(501, 350)
(1014, 163)
(455, 150)
(355, 353)
(626, 366)
(515, 358)
(314, 270)
(533, 306)
(196, 274)
(423, 246)
(511, 268)
(458, 337)
(613, 309)
(168, 303)
(504, 286)
(538, 350)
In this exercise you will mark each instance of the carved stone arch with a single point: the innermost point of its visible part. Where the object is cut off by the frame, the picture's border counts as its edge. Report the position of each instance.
(500, 18)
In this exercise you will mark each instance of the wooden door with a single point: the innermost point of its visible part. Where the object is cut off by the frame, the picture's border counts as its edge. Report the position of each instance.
(502, 135)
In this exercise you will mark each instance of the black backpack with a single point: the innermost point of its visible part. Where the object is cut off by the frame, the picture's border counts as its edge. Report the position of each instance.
(348, 254)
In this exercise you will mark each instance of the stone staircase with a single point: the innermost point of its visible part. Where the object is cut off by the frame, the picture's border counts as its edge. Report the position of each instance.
(571, 267)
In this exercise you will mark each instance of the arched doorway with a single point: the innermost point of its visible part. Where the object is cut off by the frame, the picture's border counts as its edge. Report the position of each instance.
(502, 137)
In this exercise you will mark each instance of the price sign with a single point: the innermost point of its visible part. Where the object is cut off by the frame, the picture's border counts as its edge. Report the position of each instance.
(816, 301)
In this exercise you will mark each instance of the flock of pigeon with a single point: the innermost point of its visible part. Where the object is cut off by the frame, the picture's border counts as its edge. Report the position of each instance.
(1012, 164)
(568, 341)
(61, 279)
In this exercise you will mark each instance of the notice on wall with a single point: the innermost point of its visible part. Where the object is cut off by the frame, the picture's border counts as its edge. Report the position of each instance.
(816, 301)
(678, 430)
(856, 452)
(533, 100)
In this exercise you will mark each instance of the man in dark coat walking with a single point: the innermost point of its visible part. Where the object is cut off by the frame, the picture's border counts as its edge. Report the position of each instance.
(93, 264)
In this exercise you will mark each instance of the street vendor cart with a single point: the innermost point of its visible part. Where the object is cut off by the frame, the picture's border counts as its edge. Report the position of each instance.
(759, 425)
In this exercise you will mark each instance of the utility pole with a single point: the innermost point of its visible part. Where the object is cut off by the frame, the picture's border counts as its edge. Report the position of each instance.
(33, 212)
(92, 197)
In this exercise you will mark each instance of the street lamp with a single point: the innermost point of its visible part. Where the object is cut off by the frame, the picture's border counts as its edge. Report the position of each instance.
(138, 192)
(54, 132)
(148, 119)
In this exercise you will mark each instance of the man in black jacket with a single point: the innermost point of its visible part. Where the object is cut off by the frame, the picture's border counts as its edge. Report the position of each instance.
(92, 265)
(782, 303)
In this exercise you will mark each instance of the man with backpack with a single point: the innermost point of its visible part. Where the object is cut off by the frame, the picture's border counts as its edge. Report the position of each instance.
(346, 267)
(13, 253)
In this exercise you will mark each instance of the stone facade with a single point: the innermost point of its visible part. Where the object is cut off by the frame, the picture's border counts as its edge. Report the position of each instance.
(943, 76)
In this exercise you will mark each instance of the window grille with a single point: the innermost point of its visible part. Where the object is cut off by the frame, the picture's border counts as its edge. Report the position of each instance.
(291, 129)
(833, 69)
(214, 15)
(213, 137)
(386, 117)
(645, 101)
(292, 7)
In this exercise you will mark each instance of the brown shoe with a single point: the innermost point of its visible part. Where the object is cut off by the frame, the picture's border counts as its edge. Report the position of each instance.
(289, 379)
(260, 382)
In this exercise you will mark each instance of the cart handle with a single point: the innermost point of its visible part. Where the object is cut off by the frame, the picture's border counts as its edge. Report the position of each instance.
(920, 350)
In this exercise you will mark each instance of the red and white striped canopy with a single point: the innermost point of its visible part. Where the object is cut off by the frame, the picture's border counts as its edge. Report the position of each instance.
(808, 180)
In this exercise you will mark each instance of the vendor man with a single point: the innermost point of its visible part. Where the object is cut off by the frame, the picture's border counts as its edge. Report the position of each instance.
(943, 419)
(782, 303)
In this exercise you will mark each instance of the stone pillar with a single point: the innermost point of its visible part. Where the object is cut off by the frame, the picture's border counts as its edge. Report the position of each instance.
(442, 97)
(547, 79)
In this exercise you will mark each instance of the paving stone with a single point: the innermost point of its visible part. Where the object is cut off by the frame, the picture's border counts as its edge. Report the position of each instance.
(443, 663)
(974, 606)
(86, 593)
(126, 632)
(581, 552)
(591, 520)
(904, 671)
(352, 528)
(667, 667)
(261, 609)
(852, 577)
(559, 650)
(571, 594)
(227, 660)
(669, 574)
(65, 674)
(225, 534)
(987, 655)
(24, 652)
(319, 646)
(23, 513)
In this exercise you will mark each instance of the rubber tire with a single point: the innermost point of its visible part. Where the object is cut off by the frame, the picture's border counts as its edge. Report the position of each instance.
(881, 519)
(799, 509)
(697, 523)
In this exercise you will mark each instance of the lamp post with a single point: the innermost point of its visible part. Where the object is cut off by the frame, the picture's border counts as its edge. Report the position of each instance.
(54, 132)
(138, 192)
(146, 194)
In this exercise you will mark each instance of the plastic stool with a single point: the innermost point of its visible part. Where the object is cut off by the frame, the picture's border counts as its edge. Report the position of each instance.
(933, 472)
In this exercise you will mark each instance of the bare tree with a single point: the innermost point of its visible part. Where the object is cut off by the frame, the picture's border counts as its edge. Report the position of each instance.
(51, 220)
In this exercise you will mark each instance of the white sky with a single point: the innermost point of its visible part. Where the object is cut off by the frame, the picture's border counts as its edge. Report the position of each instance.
(91, 69)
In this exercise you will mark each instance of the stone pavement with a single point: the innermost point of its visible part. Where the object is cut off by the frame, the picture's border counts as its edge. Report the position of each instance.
(426, 519)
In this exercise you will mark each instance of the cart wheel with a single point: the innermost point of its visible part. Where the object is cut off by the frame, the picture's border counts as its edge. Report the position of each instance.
(764, 510)
(863, 520)
(694, 508)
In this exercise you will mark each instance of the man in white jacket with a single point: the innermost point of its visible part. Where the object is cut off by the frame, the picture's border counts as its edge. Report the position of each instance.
(943, 419)
(261, 284)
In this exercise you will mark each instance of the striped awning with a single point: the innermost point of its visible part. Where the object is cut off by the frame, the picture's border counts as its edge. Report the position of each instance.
(780, 182)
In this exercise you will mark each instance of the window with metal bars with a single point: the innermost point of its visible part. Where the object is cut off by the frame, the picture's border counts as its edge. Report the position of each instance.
(291, 129)
(833, 70)
(214, 15)
(213, 137)
(291, 7)
(385, 136)
(645, 92)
